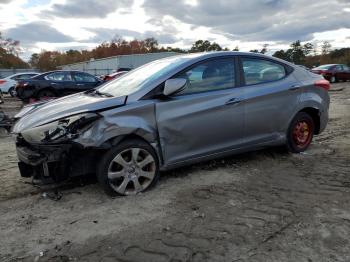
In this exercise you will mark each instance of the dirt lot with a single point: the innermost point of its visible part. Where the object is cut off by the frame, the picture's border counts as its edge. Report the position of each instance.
(262, 206)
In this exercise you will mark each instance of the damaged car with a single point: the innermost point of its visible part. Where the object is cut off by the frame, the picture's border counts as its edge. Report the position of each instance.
(169, 113)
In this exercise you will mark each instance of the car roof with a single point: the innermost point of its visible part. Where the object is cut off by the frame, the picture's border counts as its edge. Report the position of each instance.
(23, 73)
(205, 55)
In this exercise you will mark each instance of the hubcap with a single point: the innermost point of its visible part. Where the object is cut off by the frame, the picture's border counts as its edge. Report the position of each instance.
(302, 134)
(131, 171)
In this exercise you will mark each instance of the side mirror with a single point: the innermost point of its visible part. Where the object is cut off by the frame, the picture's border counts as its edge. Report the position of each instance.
(173, 86)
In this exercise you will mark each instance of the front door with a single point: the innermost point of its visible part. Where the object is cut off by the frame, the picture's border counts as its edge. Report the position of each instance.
(206, 117)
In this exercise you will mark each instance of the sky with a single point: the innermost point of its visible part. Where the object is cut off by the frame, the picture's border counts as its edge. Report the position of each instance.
(83, 24)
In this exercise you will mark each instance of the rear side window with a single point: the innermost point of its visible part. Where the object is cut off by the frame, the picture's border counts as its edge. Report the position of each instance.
(208, 76)
(59, 76)
(257, 71)
(339, 68)
(83, 77)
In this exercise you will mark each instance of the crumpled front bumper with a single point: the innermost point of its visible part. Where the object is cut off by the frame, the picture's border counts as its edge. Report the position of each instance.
(48, 161)
(55, 162)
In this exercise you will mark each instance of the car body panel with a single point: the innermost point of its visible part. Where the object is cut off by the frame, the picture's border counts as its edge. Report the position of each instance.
(186, 121)
(267, 107)
(64, 107)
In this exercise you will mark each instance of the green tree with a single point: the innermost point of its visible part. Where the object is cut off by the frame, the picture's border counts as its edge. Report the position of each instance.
(204, 46)
(282, 55)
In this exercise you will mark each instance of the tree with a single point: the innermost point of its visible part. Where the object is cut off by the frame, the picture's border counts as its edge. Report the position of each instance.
(9, 49)
(254, 51)
(204, 46)
(308, 48)
(326, 47)
(236, 48)
(151, 44)
(282, 55)
(264, 49)
(296, 53)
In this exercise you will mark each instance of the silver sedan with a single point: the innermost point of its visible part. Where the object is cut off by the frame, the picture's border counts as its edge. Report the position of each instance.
(170, 113)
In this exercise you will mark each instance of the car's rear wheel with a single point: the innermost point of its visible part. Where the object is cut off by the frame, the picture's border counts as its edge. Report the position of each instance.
(333, 79)
(130, 168)
(12, 92)
(44, 94)
(300, 133)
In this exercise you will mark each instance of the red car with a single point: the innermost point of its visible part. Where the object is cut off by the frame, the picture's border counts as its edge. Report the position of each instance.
(333, 72)
(114, 75)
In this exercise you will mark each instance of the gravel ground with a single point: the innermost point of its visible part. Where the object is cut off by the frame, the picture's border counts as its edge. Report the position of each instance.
(262, 206)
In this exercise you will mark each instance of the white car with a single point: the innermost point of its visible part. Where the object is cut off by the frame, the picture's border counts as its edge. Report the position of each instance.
(7, 84)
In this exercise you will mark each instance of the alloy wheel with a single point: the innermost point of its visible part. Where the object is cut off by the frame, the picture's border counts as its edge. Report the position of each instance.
(131, 171)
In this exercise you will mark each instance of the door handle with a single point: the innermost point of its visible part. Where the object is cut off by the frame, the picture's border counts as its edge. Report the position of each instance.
(233, 101)
(294, 87)
(53, 84)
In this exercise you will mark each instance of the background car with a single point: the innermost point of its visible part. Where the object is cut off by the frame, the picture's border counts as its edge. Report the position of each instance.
(7, 84)
(56, 84)
(114, 75)
(333, 72)
(170, 113)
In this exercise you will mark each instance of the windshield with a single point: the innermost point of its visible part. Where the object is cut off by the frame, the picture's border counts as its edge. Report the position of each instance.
(324, 67)
(136, 79)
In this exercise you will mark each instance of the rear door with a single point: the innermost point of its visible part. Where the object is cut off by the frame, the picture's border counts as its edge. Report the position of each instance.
(61, 82)
(84, 81)
(206, 117)
(271, 95)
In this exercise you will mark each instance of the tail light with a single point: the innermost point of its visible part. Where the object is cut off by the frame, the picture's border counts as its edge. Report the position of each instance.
(2, 82)
(323, 83)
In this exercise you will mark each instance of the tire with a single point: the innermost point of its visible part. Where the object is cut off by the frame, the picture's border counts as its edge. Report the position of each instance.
(45, 93)
(300, 133)
(119, 173)
(12, 92)
(333, 79)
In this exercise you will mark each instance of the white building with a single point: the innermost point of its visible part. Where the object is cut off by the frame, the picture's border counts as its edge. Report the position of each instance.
(107, 65)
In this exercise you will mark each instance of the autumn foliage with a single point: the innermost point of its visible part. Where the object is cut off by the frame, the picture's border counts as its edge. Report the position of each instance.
(305, 54)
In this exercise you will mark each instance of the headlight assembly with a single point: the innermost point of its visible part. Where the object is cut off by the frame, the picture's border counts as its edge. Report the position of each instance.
(61, 130)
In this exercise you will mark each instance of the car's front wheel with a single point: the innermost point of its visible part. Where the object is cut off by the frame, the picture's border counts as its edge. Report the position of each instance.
(129, 168)
(300, 133)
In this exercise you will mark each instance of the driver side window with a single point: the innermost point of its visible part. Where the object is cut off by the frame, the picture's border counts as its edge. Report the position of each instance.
(208, 76)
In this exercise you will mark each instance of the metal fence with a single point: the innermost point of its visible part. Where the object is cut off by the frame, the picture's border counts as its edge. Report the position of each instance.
(98, 71)
(4, 72)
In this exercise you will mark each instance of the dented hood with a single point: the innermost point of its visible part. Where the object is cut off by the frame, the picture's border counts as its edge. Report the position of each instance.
(64, 107)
